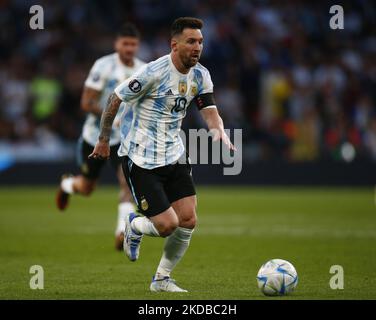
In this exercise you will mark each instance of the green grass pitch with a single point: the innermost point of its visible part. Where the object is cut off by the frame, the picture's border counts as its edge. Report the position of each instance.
(239, 229)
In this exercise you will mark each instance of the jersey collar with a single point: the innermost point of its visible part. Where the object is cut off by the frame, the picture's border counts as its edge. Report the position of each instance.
(176, 70)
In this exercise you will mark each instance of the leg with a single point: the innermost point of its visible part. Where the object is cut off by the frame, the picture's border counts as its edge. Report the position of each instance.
(153, 191)
(185, 209)
(161, 225)
(125, 194)
(84, 183)
(177, 243)
(73, 184)
(159, 217)
(183, 199)
(148, 192)
(125, 208)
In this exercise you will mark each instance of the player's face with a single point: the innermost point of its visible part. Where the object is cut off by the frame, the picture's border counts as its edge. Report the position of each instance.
(189, 46)
(126, 47)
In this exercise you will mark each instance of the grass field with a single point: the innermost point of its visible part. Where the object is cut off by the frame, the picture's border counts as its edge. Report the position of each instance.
(239, 229)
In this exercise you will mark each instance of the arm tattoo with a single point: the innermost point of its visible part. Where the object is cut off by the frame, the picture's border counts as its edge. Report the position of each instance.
(108, 117)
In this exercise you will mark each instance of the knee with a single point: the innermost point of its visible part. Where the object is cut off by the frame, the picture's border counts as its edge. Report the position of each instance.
(87, 189)
(189, 221)
(125, 195)
(166, 228)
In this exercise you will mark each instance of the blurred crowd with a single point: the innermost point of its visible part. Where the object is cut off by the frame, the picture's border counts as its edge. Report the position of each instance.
(299, 90)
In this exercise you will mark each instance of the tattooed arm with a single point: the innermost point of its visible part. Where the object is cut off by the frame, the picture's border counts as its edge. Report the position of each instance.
(89, 101)
(108, 116)
(102, 148)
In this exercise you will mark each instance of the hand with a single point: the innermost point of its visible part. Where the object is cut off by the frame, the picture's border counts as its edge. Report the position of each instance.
(221, 135)
(101, 151)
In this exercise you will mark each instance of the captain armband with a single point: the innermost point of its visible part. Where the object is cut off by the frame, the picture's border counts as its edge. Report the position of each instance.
(205, 100)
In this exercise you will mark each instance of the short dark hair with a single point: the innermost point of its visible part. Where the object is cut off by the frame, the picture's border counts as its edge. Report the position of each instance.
(182, 23)
(128, 30)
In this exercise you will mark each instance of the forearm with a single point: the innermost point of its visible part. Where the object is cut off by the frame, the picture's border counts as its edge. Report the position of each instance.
(90, 101)
(93, 107)
(212, 119)
(108, 117)
(216, 127)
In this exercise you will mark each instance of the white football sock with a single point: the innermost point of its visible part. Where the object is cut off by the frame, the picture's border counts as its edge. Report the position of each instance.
(67, 185)
(175, 247)
(124, 209)
(143, 225)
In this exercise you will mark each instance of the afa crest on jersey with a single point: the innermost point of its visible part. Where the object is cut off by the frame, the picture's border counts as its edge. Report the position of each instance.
(194, 89)
(182, 87)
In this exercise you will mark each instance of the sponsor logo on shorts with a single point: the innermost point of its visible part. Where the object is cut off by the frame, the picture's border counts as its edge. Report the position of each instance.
(144, 204)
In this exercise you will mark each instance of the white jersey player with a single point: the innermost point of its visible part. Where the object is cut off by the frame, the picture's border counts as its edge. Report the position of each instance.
(152, 139)
(105, 75)
(162, 187)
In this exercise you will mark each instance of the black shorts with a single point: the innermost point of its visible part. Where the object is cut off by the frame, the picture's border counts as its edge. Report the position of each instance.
(155, 189)
(91, 168)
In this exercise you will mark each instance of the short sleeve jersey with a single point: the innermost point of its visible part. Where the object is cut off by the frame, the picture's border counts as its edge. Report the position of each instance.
(159, 96)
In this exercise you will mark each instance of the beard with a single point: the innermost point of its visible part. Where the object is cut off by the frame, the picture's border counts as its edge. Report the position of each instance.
(189, 62)
(127, 56)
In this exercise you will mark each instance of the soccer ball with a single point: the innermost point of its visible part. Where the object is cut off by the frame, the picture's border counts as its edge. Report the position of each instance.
(277, 277)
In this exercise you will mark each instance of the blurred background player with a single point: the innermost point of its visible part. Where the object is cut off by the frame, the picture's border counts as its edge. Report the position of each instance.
(106, 73)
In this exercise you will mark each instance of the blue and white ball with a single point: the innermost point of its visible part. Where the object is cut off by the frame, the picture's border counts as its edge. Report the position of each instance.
(277, 277)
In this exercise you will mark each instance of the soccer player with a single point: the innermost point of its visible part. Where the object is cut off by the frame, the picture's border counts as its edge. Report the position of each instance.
(106, 73)
(152, 150)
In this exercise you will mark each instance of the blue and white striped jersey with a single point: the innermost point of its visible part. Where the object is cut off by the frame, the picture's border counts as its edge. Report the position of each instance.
(106, 73)
(159, 96)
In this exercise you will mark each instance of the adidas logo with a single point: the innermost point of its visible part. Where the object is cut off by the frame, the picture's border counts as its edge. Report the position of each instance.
(169, 93)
